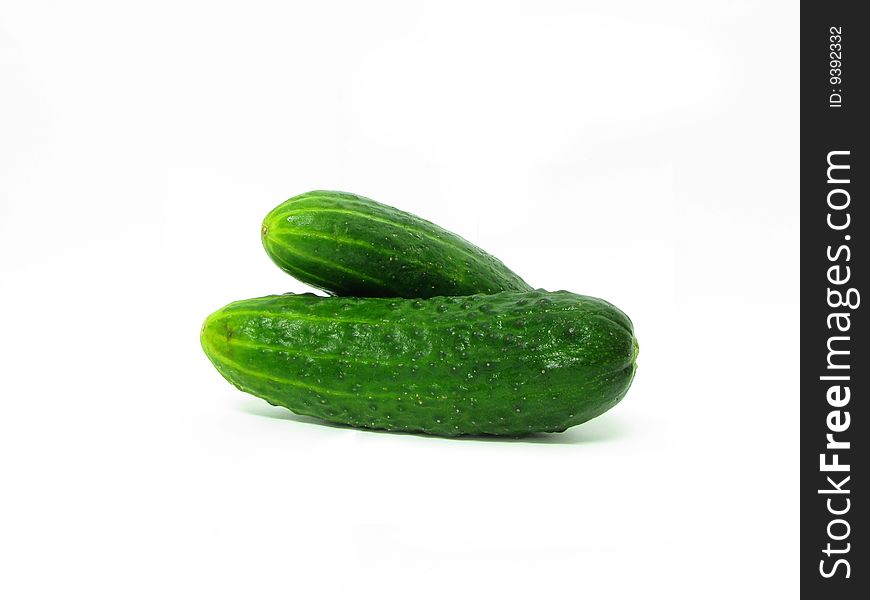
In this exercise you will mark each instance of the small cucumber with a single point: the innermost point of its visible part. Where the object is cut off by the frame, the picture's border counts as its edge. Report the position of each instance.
(348, 245)
(509, 363)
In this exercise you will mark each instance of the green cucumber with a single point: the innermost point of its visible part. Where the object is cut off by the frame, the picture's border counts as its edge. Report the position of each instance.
(505, 364)
(348, 245)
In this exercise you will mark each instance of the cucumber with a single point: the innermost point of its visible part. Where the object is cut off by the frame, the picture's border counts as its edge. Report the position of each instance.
(348, 245)
(509, 363)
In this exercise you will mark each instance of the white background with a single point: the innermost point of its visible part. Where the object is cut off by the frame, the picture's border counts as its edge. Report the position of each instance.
(643, 152)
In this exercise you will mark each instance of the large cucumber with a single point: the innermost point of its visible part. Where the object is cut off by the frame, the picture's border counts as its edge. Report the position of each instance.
(504, 364)
(352, 246)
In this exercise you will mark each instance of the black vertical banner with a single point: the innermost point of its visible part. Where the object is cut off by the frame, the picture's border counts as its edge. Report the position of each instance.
(835, 372)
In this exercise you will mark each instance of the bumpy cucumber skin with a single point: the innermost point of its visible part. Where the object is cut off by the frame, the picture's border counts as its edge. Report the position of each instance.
(510, 363)
(349, 245)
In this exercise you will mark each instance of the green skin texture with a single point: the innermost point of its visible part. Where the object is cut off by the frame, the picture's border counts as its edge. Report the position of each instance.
(510, 363)
(348, 245)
